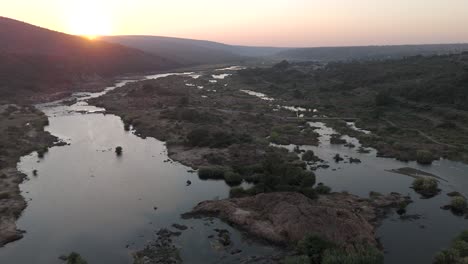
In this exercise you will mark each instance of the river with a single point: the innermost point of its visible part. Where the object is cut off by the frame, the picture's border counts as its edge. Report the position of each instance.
(87, 199)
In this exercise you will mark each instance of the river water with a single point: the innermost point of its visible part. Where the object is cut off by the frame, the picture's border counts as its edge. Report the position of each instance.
(88, 200)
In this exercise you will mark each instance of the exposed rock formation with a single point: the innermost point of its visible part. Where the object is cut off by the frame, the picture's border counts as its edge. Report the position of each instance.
(287, 217)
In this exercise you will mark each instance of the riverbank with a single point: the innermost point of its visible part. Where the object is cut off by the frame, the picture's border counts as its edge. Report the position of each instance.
(21, 132)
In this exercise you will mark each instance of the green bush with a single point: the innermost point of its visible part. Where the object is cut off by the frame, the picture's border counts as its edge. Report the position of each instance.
(232, 178)
(426, 186)
(308, 179)
(75, 258)
(364, 255)
(424, 157)
(458, 204)
(449, 256)
(309, 155)
(463, 236)
(457, 253)
(461, 247)
(214, 172)
(314, 247)
(322, 189)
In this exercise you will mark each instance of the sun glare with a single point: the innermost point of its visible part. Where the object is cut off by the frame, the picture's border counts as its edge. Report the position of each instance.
(89, 20)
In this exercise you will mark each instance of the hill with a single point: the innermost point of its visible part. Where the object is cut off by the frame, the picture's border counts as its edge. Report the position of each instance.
(185, 51)
(190, 51)
(35, 59)
(368, 52)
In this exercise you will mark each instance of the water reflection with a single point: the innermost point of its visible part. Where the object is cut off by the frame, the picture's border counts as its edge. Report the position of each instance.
(88, 200)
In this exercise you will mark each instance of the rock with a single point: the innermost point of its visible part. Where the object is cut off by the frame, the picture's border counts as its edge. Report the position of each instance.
(160, 251)
(282, 218)
(189, 183)
(236, 251)
(354, 160)
(179, 227)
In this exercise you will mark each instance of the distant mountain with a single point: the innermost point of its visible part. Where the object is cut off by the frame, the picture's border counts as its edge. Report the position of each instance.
(184, 51)
(42, 60)
(190, 51)
(368, 52)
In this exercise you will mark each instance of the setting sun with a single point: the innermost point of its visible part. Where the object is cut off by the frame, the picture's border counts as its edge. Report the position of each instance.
(89, 19)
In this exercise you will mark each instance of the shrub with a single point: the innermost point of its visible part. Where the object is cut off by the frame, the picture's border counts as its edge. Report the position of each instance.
(303, 259)
(237, 192)
(426, 186)
(4, 195)
(458, 204)
(322, 189)
(308, 179)
(364, 255)
(461, 247)
(118, 150)
(199, 137)
(232, 178)
(274, 137)
(424, 157)
(75, 258)
(402, 207)
(457, 253)
(336, 139)
(449, 256)
(463, 236)
(41, 152)
(314, 246)
(309, 155)
(309, 192)
(215, 172)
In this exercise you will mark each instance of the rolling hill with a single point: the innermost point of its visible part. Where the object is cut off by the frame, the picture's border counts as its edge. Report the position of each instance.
(38, 60)
(368, 52)
(190, 51)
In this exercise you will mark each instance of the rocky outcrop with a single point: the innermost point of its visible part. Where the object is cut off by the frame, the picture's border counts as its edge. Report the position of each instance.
(284, 217)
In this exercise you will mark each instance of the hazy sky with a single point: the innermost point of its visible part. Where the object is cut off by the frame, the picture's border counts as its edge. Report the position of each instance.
(256, 22)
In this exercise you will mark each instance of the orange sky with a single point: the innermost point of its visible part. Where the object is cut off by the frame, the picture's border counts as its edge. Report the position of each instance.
(256, 22)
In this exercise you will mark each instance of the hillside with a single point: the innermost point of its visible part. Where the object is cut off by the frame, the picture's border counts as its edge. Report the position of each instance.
(35, 59)
(184, 51)
(190, 51)
(368, 52)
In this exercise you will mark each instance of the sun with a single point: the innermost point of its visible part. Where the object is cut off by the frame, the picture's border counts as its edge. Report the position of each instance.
(89, 20)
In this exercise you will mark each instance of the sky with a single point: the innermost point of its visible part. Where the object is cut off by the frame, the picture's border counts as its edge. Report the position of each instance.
(287, 23)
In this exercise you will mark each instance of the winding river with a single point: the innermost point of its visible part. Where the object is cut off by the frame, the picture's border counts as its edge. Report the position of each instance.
(87, 199)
